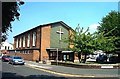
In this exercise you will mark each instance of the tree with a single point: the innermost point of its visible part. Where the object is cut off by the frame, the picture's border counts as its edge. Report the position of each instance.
(104, 43)
(82, 41)
(111, 22)
(9, 14)
(86, 43)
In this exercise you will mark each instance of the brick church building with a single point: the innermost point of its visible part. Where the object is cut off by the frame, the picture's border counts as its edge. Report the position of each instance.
(44, 42)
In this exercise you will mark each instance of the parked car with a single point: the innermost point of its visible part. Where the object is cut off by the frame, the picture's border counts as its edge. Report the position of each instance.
(5, 58)
(101, 58)
(16, 60)
(113, 59)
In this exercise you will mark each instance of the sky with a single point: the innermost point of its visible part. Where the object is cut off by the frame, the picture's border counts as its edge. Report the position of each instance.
(86, 14)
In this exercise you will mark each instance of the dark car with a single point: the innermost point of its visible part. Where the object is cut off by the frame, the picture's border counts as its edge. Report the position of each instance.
(16, 60)
(5, 58)
(101, 58)
(113, 59)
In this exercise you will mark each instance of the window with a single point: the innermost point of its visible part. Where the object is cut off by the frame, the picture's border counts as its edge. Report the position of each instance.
(24, 41)
(8, 47)
(67, 56)
(17, 43)
(20, 42)
(5, 47)
(28, 41)
(34, 39)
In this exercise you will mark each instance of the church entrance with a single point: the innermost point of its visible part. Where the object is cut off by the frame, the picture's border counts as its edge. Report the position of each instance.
(52, 52)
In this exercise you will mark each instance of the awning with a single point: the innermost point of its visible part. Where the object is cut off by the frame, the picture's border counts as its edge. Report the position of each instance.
(67, 51)
(53, 49)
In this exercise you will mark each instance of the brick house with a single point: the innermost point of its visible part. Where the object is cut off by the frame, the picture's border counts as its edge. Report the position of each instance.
(44, 42)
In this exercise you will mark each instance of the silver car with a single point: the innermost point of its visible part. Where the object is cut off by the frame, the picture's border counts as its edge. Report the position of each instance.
(16, 60)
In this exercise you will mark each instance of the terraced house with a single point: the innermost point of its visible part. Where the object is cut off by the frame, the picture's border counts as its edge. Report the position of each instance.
(44, 42)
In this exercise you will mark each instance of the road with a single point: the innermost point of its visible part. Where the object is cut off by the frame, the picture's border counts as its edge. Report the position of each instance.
(19, 71)
(22, 72)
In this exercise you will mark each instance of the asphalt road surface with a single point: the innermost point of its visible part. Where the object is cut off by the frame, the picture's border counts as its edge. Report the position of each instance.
(22, 72)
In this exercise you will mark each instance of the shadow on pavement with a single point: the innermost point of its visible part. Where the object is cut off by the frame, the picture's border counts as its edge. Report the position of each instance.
(9, 75)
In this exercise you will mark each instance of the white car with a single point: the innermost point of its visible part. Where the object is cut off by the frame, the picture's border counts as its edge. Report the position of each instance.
(16, 60)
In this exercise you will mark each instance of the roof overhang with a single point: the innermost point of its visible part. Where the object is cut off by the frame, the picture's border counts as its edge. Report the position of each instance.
(67, 51)
(53, 49)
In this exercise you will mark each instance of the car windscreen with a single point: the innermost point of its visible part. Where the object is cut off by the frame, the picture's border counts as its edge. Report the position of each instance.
(17, 58)
(6, 56)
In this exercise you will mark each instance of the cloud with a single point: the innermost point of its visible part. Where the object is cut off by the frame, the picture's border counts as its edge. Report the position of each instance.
(93, 27)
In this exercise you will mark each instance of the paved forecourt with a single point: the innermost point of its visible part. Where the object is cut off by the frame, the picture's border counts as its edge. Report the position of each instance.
(74, 72)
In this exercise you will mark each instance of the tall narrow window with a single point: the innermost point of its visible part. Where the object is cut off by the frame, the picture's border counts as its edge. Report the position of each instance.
(24, 41)
(28, 41)
(20, 42)
(5, 47)
(8, 47)
(34, 39)
(17, 43)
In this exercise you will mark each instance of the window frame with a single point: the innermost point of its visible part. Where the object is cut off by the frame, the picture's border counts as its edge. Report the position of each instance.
(28, 41)
(34, 35)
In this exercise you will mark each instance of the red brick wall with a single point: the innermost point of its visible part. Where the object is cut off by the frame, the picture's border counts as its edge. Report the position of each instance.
(28, 56)
(38, 38)
(25, 56)
(45, 41)
(35, 55)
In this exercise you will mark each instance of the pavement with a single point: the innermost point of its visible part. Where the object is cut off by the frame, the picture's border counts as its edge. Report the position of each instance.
(73, 72)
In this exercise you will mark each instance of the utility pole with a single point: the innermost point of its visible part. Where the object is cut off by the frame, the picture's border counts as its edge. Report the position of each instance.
(60, 37)
(57, 56)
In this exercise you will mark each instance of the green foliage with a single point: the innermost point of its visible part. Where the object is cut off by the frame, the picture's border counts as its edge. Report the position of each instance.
(82, 41)
(106, 39)
(9, 14)
(110, 26)
(110, 22)
(104, 43)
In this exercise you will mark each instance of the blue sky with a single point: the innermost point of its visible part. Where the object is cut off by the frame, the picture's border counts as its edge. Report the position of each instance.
(87, 14)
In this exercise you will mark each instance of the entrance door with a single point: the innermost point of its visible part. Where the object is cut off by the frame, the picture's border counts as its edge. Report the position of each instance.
(52, 55)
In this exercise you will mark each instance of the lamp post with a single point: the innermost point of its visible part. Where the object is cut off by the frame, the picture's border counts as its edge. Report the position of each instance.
(60, 37)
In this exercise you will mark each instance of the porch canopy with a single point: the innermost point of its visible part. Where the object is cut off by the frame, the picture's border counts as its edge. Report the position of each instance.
(53, 49)
(67, 51)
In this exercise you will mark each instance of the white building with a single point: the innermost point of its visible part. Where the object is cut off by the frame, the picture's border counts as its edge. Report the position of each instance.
(6, 46)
